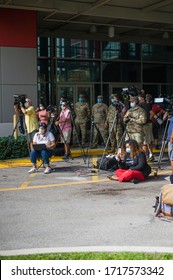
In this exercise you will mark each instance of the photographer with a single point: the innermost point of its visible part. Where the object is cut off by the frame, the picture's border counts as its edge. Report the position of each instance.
(31, 120)
(114, 121)
(64, 122)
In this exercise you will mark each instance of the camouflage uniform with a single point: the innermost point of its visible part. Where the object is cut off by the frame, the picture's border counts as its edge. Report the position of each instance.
(116, 131)
(135, 118)
(99, 113)
(82, 113)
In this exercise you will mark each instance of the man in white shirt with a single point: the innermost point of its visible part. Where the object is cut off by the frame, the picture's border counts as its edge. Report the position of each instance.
(42, 137)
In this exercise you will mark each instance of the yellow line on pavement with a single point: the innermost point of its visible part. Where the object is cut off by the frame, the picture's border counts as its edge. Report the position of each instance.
(25, 187)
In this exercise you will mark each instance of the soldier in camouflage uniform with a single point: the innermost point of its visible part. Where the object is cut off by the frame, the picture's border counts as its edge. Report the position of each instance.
(134, 119)
(82, 115)
(99, 114)
(115, 121)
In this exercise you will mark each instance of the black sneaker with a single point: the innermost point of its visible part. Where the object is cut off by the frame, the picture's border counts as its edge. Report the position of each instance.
(66, 156)
(135, 181)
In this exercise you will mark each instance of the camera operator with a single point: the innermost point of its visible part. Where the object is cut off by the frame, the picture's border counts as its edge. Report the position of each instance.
(147, 127)
(64, 122)
(31, 120)
(134, 119)
(115, 115)
(155, 116)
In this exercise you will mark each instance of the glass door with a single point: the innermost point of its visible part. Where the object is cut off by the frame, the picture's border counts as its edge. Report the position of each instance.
(87, 92)
(72, 92)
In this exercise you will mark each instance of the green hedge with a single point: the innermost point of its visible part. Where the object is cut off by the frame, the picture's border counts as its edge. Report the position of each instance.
(13, 148)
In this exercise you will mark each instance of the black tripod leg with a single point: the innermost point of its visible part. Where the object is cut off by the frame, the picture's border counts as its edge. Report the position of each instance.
(74, 127)
(91, 141)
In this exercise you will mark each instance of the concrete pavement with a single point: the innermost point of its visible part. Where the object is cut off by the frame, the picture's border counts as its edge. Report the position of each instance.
(75, 209)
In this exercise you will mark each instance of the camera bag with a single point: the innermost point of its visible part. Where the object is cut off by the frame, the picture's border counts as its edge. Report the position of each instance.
(107, 163)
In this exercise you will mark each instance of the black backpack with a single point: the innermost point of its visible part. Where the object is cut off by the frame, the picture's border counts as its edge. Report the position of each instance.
(107, 163)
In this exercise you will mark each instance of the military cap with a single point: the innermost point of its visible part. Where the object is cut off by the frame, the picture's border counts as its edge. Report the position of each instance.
(99, 96)
(134, 98)
(114, 95)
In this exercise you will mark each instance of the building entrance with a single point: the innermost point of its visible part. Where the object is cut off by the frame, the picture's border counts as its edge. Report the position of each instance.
(72, 92)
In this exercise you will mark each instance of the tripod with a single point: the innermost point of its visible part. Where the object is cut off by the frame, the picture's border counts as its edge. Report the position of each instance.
(93, 126)
(164, 143)
(77, 136)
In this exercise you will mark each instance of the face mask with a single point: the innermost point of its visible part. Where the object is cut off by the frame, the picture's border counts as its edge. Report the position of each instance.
(99, 100)
(132, 105)
(63, 106)
(128, 150)
(41, 108)
(80, 99)
(42, 131)
(112, 100)
(26, 104)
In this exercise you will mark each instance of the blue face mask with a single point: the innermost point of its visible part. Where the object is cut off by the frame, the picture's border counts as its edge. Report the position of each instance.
(112, 100)
(128, 150)
(132, 105)
(99, 100)
(80, 99)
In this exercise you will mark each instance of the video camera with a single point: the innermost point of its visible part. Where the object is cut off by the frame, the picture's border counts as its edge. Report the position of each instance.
(165, 103)
(133, 91)
(52, 110)
(19, 99)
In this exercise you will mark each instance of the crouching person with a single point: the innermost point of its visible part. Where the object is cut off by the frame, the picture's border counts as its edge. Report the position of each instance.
(42, 137)
(134, 166)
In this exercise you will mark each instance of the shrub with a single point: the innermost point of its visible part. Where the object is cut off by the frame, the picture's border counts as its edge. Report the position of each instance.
(13, 148)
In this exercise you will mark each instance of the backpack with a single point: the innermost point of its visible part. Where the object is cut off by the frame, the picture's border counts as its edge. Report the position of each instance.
(164, 202)
(107, 163)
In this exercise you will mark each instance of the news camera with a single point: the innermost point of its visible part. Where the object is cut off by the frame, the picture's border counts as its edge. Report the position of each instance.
(19, 99)
(165, 103)
(52, 110)
(133, 91)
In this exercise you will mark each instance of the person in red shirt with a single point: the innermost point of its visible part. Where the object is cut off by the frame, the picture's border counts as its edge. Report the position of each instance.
(42, 114)
(155, 116)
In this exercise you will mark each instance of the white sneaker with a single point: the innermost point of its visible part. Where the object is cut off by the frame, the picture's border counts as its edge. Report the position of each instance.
(47, 170)
(32, 170)
(167, 179)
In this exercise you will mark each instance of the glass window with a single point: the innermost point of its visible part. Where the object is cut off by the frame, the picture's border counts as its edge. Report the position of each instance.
(157, 53)
(43, 49)
(117, 50)
(157, 73)
(75, 48)
(121, 72)
(43, 70)
(77, 71)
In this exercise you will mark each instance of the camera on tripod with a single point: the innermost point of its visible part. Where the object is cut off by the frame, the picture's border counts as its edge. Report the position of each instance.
(52, 110)
(133, 91)
(165, 103)
(19, 98)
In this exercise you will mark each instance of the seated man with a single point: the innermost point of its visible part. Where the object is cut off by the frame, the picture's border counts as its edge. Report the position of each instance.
(42, 137)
